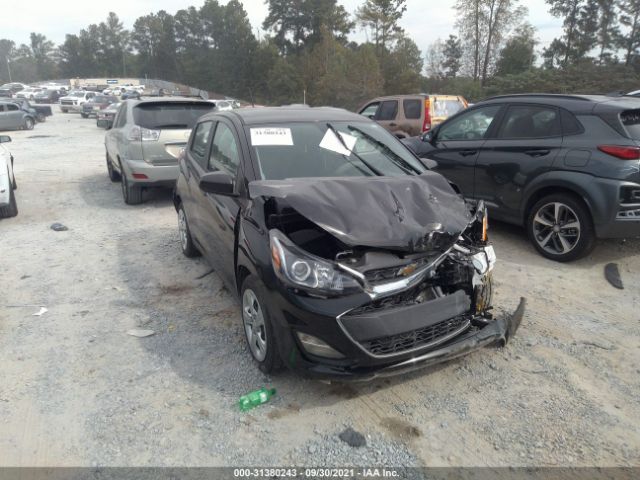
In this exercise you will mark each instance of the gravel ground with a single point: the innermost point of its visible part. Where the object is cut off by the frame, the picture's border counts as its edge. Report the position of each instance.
(76, 390)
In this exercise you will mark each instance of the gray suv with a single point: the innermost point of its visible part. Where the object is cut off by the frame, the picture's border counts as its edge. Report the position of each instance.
(145, 140)
(566, 167)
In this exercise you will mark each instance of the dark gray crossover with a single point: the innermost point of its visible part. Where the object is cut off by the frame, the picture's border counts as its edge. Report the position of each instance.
(567, 167)
(350, 258)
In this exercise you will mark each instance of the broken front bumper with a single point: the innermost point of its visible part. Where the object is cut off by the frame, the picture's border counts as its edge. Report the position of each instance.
(360, 364)
(496, 333)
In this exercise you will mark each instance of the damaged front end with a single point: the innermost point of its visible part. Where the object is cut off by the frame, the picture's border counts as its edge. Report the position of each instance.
(420, 299)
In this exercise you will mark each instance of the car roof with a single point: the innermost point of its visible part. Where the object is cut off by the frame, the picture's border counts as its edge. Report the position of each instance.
(414, 95)
(166, 99)
(297, 113)
(573, 103)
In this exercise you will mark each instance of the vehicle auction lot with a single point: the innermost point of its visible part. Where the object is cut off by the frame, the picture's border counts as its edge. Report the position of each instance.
(76, 390)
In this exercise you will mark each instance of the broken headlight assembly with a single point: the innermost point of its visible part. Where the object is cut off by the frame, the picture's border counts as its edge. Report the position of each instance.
(299, 269)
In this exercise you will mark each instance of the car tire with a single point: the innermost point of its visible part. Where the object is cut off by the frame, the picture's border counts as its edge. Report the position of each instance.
(560, 227)
(64, 110)
(258, 326)
(28, 123)
(84, 115)
(132, 194)
(41, 118)
(186, 240)
(114, 175)
(10, 210)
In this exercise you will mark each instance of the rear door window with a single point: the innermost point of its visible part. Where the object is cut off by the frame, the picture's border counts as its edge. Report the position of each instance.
(166, 115)
(388, 110)
(224, 151)
(412, 109)
(570, 124)
(200, 143)
(122, 116)
(529, 121)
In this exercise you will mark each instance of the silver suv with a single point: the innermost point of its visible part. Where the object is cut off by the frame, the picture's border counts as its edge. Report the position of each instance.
(145, 140)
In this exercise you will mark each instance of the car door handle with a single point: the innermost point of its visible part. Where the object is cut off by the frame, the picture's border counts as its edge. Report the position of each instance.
(537, 153)
(468, 153)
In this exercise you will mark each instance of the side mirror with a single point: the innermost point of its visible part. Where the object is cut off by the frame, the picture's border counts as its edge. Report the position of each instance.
(218, 183)
(428, 136)
(5, 138)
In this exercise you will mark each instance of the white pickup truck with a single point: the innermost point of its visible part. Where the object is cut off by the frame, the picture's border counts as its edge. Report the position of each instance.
(8, 205)
(74, 100)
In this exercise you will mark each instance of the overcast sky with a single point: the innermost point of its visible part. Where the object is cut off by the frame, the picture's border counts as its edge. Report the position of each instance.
(425, 20)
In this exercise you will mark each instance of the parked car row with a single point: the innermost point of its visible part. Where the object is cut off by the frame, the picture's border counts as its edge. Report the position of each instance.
(32, 93)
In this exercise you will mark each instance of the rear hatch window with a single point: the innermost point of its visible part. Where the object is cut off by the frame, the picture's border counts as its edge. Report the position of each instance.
(631, 121)
(446, 107)
(167, 115)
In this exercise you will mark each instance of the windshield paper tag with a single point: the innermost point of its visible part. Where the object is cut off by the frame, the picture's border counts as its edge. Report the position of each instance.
(333, 143)
(271, 136)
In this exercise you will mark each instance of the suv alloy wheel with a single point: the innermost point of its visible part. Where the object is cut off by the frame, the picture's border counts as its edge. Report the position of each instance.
(560, 227)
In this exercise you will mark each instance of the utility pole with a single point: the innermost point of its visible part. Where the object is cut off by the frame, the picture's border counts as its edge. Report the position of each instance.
(9, 70)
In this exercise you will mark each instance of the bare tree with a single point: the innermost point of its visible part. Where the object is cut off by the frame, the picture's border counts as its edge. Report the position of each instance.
(484, 26)
(435, 60)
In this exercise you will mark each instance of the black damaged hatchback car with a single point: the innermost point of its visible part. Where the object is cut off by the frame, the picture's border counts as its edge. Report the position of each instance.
(350, 258)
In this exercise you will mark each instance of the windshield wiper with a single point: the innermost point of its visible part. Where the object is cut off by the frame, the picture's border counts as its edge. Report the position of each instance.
(364, 162)
(401, 163)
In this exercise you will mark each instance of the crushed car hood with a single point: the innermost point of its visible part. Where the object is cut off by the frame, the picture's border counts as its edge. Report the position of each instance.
(407, 213)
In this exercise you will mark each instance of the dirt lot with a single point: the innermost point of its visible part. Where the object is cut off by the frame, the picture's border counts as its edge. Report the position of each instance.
(77, 390)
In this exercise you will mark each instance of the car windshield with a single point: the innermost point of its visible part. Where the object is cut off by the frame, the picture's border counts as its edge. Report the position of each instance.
(101, 99)
(155, 115)
(334, 149)
(76, 94)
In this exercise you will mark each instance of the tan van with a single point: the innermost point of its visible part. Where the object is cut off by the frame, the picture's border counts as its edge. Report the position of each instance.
(411, 115)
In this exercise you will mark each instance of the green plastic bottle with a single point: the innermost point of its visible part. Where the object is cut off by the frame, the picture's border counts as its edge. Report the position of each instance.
(258, 397)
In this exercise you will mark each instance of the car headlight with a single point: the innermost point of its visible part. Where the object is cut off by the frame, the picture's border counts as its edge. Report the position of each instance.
(299, 269)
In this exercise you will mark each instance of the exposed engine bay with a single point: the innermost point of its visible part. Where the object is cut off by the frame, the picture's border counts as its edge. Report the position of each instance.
(398, 276)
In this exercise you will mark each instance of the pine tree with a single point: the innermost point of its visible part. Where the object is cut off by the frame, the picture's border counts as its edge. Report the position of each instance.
(452, 53)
